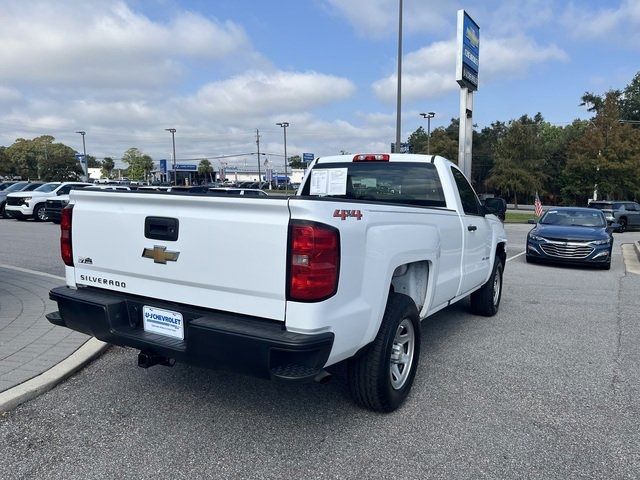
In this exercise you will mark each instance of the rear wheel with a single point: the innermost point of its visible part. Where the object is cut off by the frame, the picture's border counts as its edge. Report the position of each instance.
(39, 213)
(381, 377)
(623, 225)
(3, 214)
(486, 300)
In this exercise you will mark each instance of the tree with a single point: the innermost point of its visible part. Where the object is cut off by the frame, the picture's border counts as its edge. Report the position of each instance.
(59, 164)
(41, 158)
(92, 162)
(4, 163)
(140, 165)
(205, 168)
(22, 159)
(296, 162)
(630, 104)
(519, 165)
(606, 155)
(107, 167)
(442, 144)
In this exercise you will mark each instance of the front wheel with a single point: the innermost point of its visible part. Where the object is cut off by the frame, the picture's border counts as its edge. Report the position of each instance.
(39, 213)
(486, 300)
(380, 378)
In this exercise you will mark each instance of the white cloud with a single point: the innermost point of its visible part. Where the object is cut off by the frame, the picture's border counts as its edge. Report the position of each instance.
(430, 71)
(106, 44)
(379, 18)
(260, 92)
(621, 23)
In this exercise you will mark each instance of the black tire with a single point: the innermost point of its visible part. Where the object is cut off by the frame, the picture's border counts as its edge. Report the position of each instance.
(3, 214)
(39, 214)
(623, 225)
(529, 259)
(370, 373)
(486, 301)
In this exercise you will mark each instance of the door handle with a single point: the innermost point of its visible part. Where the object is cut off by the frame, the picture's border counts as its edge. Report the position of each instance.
(472, 228)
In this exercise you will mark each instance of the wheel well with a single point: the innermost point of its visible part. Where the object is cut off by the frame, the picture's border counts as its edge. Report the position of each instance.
(411, 279)
(623, 217)
(501, 253)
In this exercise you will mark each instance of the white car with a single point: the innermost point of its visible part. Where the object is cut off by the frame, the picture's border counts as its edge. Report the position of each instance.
(242, 192)
(284, 287)
(24, 205)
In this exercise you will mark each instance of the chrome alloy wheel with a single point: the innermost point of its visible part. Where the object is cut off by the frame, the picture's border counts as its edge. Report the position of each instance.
(402, 354)
(42, 214)
(497, 285)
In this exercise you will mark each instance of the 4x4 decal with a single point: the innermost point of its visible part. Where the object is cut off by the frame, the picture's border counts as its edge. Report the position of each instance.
(344, 214)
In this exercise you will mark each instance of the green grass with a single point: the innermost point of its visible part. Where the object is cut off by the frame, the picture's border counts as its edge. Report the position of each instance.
(519, 217)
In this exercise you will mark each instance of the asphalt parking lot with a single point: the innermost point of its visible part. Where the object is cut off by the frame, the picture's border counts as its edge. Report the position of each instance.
(548, 388)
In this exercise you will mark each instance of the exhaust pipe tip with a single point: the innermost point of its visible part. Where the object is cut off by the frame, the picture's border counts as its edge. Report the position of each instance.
(323, 377)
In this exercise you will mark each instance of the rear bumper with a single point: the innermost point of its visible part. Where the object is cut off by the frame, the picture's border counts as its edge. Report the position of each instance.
(212, 339)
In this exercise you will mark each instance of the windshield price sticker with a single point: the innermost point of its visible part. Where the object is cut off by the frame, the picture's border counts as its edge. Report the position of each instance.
(328, 181)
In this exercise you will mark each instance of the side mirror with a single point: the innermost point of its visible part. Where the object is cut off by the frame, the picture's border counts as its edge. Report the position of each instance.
(496, 206)
(532, 222)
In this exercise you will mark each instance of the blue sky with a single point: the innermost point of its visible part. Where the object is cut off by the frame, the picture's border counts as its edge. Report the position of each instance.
(217, 70)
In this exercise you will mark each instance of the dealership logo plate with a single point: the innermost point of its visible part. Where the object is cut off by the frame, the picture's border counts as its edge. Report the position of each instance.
(163, 322)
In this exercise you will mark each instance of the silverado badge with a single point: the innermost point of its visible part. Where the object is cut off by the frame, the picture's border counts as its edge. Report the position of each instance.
(160, 254)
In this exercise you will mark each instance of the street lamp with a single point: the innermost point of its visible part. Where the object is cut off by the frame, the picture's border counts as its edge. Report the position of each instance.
(173, 141)
(84, 164)
(284, 125)
(428, 116)
(399, 92)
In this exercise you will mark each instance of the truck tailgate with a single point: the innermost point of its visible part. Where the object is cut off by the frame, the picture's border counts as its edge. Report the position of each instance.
(231, 252)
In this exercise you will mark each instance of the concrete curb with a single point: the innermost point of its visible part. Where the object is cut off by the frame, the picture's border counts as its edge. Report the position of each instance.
(44, 382)
(631, 256)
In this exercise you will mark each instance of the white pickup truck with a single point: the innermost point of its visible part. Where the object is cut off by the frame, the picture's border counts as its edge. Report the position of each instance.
(283, 288)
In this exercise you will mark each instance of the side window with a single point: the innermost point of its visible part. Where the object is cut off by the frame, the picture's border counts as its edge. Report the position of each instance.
(470, 202)
(64, 190)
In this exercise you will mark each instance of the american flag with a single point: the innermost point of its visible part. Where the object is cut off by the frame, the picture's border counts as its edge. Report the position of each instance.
(538, 206)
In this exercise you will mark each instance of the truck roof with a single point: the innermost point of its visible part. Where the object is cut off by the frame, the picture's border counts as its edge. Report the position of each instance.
(393, 157)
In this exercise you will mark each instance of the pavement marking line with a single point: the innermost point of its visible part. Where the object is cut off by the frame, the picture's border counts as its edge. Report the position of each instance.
(516, 256)
(10, 399)
(33, 272)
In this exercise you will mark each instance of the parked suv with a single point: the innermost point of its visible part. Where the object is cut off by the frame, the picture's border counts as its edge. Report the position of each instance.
(16, 187)
(627, 214)
(23, 205)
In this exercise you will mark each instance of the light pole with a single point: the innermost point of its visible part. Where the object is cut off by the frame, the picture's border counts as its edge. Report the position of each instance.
(284, 125)
(428, 116)
(173, 141)
(399, 101)
(84, 163)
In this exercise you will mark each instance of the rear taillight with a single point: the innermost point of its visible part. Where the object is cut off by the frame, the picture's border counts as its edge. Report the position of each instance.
(314, 261)
(65, 235)
(371, 157)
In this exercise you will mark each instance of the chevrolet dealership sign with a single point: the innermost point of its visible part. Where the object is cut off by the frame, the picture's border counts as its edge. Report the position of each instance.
(468, 57)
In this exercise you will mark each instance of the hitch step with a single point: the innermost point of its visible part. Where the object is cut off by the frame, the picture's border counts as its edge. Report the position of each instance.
(149, 359)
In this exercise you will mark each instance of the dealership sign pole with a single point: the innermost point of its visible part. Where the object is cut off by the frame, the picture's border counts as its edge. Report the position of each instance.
(467, 67)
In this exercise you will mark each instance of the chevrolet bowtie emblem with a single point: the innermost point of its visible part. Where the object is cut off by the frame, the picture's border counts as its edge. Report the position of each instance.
(160, 254)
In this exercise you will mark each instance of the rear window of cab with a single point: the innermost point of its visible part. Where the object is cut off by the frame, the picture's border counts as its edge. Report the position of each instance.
(408, 183)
